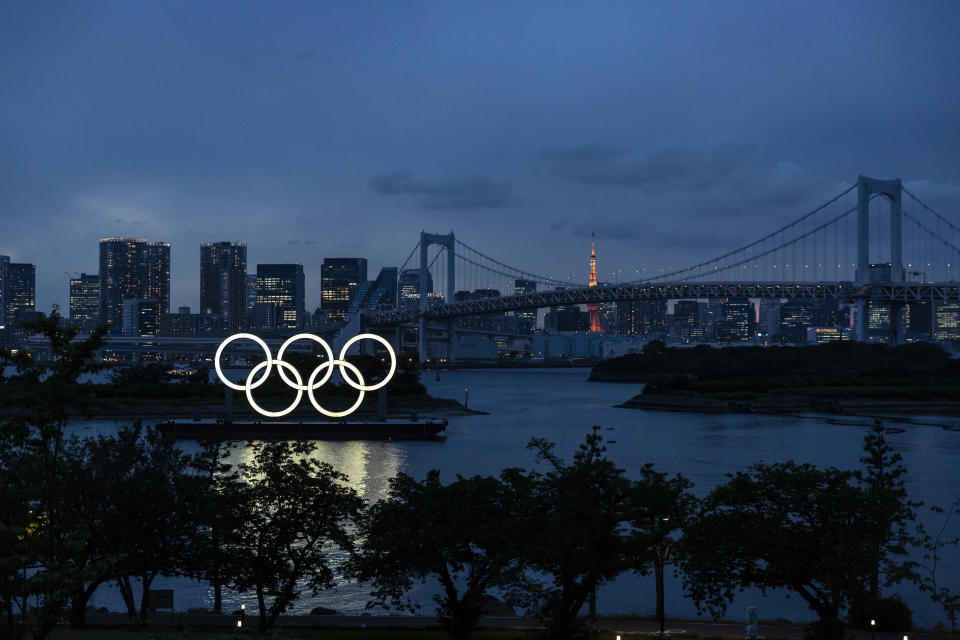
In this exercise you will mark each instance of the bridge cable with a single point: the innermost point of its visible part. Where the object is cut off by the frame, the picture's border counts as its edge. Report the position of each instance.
(415, 247)
(532, 276)
(932, 233)
(755, 242)
(789, 242)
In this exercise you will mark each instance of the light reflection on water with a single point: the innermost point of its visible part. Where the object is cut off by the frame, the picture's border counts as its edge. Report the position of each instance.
(560, 405)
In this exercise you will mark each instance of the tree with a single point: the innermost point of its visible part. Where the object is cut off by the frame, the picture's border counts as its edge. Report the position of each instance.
(576, 535)
(297, 506)
(657, 507)
(781, 526)
(888, 511)
(464, 535)
(148, 510)
(930, 578)
(218, 518)
(39, 399)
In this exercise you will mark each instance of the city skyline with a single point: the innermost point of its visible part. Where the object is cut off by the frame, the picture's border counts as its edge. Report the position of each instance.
(344, 130)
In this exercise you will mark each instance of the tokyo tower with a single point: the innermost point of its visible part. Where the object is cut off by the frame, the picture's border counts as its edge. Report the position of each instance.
(594, 309)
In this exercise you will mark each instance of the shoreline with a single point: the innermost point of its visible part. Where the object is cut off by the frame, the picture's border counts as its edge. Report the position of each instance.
(791, 405)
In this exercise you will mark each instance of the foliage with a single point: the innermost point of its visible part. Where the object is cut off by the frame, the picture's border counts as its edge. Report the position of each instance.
(297, 507)
(846, 369)
(657, 508)
(147, 515)
(218, 515)
(464, 534)
(930, 578)
(777, 526)
(889, 614)
(887, 510)
(577, 534)
(39, 473)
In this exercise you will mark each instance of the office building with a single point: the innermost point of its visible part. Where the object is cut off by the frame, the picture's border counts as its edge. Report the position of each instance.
(223, 284)
(526, 320)
(85, 301)
(686, 321)
(769, 319)
(19, 290)
(132, 269)
(281, 286)
(339, 280)
(408, 287)
(737, 323)
(919, 319)
(642, 318)
(947, 321)
(157, 273)
(251, 291)
(139, 317)
(795, 317)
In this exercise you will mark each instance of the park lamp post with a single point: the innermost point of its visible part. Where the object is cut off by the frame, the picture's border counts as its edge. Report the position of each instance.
(873, 626)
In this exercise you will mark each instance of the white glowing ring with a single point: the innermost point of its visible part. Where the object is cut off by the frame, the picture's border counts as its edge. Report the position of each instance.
(305, 336)
(341, 364)
(263, 345)
(386, 378)
(274, 414)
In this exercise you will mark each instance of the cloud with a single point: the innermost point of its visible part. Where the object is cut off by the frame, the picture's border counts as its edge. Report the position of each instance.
(466, 193)
(654, 169)
(609, 230)
(293, 242)
(560, 224)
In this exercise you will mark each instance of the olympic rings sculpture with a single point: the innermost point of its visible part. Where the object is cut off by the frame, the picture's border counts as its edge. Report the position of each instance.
(312, 383)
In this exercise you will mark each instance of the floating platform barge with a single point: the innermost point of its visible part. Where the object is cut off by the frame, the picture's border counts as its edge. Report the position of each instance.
(388, 429)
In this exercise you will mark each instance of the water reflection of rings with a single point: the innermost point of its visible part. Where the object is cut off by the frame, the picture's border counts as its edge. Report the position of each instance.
(326, 368)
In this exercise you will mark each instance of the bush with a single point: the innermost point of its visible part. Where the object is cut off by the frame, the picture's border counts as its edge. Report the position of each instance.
(891, 614)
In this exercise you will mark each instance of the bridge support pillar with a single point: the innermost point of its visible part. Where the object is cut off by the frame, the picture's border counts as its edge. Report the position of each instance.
(452, 341)
(422, 339)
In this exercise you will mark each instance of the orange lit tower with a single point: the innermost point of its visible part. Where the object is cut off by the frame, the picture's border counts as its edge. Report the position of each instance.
(594, 309)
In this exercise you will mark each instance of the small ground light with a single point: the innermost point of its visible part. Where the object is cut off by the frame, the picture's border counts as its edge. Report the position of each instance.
(239, 624)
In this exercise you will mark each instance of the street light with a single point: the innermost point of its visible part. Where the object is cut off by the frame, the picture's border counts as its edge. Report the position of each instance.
(873, 625)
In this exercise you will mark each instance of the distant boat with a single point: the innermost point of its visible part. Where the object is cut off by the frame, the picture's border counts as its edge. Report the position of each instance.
(389, 429)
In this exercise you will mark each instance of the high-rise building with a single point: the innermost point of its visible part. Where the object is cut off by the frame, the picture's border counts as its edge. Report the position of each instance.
(737, 323)
(85, 301)
(223, 284)
(281, 286)
(139, 317)
(769, 318)
(339, 280)
(795, 317)
(408, 287)
(20, 288)
(686, 321)
(947, 321)
(526, 320)
(157, 273)
(123, 276)
(919, 319)
(4, 261)
(251, 291)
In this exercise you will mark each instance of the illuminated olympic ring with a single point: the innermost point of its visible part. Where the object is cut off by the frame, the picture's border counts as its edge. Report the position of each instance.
(312, 382)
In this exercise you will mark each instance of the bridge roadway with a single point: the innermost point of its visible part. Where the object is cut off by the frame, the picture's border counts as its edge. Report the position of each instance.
(882, 293)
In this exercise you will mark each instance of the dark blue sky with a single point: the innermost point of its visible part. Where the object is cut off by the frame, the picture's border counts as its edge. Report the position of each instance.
(314, 129)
